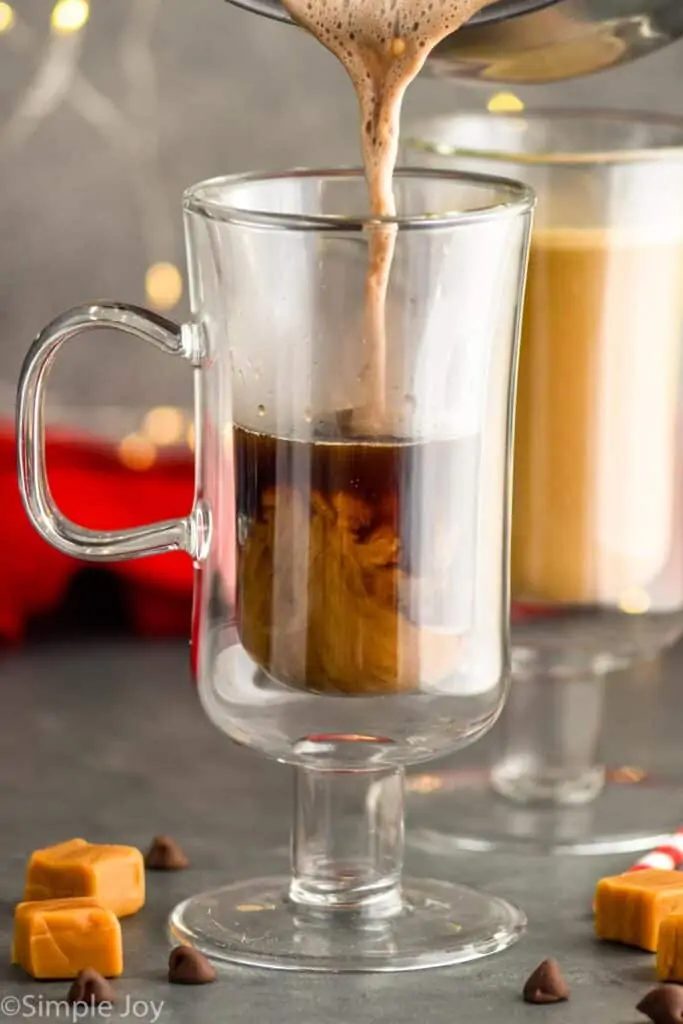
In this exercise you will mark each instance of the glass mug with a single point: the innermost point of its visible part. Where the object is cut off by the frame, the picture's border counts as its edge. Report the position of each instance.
(597, 543)
(351, 597)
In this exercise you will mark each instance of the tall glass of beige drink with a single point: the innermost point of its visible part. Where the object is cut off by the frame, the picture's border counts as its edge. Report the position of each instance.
(597, 535)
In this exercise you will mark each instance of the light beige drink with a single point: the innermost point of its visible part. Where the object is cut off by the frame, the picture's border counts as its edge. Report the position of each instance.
(595, 454)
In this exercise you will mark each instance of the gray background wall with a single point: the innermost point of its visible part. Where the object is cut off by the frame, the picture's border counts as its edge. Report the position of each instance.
(100, 131)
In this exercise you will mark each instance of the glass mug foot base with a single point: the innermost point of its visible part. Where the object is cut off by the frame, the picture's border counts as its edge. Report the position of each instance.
(629, 815)
(252, 923)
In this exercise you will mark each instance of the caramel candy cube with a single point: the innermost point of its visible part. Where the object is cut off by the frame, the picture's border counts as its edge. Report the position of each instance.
(670, 949)
(113, 875)
(59, 938)
(630, 908)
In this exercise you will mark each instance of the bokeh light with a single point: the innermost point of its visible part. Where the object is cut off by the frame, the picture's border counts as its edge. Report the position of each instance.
(164, 425)
(163, 285)
(634, 601)
(7, 17)
(69, 16)
(504, 103)
(136, 452)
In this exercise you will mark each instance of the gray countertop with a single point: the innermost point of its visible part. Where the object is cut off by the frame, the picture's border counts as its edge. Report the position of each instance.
(109, 743)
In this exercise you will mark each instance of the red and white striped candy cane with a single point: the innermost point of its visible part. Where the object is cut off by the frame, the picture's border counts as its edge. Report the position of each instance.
(667, 857)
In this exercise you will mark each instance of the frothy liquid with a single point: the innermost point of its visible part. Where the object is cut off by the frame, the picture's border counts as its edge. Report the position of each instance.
(383, 44)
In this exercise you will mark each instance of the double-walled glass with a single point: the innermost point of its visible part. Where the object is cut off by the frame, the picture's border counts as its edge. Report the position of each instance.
(350, 531)
(597, 528)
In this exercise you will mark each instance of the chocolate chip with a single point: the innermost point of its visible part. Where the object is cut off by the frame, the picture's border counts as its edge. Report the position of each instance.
(165, 855)
(663, 1005)
(546, 984)
(91, 988)
(186, 966)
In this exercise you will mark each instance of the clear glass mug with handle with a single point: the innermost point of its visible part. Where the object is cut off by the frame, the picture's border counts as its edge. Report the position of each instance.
(351, 596)
(597, 536)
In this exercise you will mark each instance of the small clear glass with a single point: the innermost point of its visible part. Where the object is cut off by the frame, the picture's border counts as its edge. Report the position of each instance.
(351, 602)
(597, 556)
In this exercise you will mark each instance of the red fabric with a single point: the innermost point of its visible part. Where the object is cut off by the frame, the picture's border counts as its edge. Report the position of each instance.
(523, 612)
(93, 488)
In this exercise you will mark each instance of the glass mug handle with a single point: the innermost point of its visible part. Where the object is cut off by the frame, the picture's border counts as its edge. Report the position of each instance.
(189, 534)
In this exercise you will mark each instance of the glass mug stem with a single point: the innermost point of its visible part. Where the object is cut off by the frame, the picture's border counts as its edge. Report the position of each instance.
(550, 740)
(190, 534)
(347, 841)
